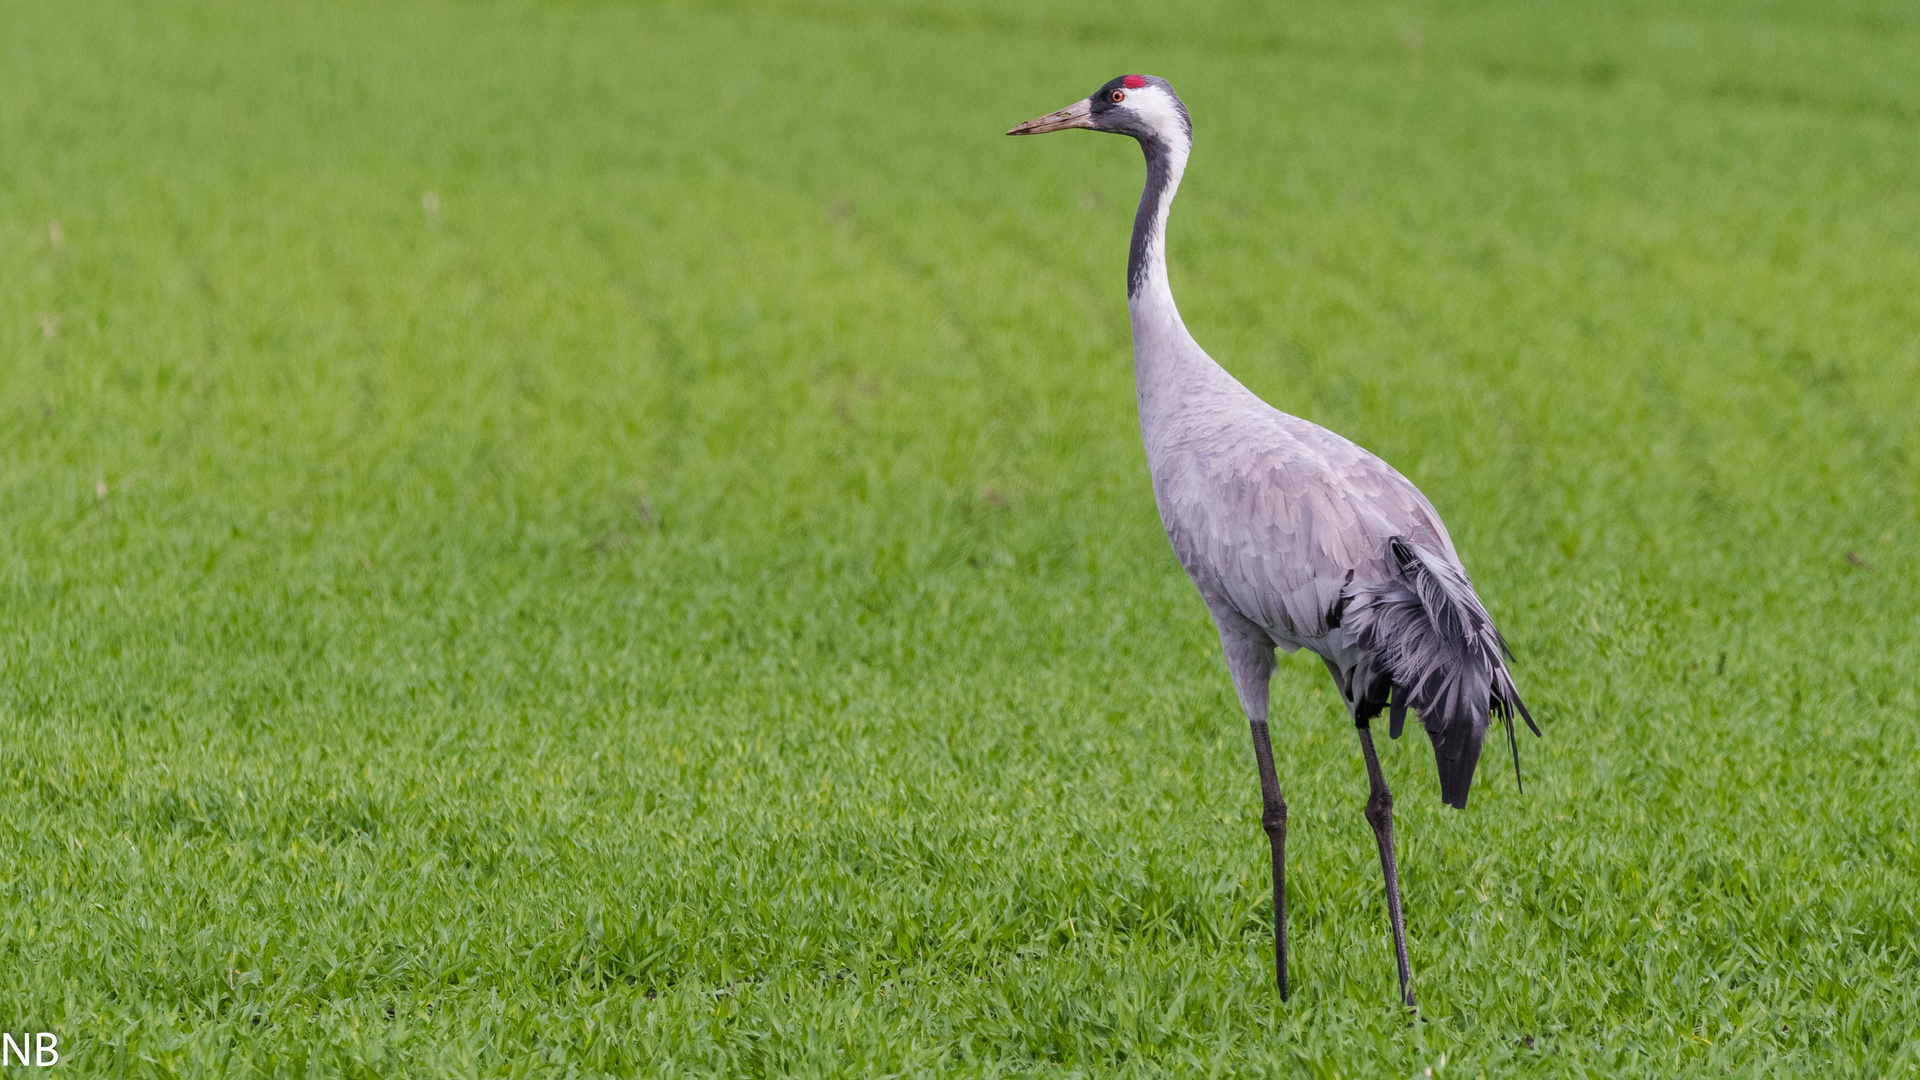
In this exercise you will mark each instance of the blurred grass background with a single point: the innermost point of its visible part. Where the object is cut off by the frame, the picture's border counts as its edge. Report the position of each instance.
(588, 538)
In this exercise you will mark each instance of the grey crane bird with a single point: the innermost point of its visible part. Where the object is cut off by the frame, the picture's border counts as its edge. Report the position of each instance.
(1295, 537)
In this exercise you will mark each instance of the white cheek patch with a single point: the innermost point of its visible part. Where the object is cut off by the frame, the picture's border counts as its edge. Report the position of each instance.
(1156, 109)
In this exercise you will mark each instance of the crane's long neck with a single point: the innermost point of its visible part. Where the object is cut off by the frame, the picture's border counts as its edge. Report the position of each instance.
(1147, 288)
(1164, 354)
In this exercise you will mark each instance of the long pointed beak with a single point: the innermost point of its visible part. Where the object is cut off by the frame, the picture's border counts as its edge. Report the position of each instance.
(1077, 115)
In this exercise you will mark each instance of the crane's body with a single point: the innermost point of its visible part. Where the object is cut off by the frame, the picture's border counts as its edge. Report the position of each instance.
(1294, 536)
(1274, 518)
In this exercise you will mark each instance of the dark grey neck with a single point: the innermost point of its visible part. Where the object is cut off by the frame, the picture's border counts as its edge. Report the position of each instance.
(1148, 219)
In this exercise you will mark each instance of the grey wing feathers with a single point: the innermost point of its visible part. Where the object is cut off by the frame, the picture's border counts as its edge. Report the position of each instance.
(1278, 529)
(1321, 543)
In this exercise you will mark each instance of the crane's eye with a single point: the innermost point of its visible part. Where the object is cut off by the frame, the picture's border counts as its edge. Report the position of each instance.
(1118, 95)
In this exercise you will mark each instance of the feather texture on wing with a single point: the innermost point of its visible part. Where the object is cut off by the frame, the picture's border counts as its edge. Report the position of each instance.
(1300, 532)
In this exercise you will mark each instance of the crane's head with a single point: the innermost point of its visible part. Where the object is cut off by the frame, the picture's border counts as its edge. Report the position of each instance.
(1142, 106)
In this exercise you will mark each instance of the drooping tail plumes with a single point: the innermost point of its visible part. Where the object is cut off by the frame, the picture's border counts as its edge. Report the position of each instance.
(1425, 632)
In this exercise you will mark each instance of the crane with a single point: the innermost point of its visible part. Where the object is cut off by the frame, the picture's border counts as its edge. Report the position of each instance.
(1294, 536)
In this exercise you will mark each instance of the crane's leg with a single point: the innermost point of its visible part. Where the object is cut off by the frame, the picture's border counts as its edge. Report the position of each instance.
(1380, 816)
(1273, 818)
(1250, 659)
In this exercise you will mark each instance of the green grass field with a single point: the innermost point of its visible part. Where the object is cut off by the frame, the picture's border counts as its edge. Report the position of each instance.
(571, 539)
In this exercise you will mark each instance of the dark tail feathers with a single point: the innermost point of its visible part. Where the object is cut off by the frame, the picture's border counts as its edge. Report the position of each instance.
(1445, 659)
